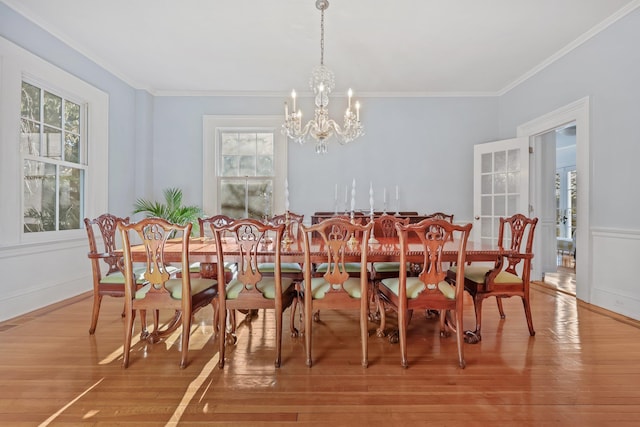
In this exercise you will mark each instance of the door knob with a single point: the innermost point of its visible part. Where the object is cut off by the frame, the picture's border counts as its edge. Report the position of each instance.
(476, 217)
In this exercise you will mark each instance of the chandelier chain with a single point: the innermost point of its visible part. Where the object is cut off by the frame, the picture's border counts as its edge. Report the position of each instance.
(322, 37)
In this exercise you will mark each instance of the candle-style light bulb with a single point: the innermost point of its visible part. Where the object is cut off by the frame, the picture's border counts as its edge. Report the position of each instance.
(358, 110)
(349, 94)
(293, 97)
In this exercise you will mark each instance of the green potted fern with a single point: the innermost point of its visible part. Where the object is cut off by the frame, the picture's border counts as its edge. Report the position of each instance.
(172, 209)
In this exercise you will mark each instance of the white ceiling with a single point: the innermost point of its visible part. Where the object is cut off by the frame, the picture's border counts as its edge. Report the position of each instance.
(377, 47)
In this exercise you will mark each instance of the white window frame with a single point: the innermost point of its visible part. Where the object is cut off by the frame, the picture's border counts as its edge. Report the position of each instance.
(212, 127)
(16, 65)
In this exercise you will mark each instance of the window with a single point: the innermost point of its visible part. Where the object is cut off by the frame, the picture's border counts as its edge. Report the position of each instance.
(52, 148)
(245, 181)
(566, 202)
(245, 159)
(54, 159)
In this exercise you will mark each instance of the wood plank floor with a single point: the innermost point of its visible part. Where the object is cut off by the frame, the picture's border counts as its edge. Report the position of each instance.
(581, 369)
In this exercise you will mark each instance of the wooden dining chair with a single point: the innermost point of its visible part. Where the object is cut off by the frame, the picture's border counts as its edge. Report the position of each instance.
(385, 229)
(250, 289)
(108, 278)
(510, 276)
(291, 240)
(336, 239)
(184, 295)
(430, 289)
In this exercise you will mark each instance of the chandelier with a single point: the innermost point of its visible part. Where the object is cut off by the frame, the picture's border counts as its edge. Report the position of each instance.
(321, 128)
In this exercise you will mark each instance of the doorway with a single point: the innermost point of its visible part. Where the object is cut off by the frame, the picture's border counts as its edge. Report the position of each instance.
(543, 206)
(559, 267)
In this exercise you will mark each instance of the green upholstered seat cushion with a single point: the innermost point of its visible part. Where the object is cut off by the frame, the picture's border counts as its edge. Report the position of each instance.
(387, 267)
(267, 286)
(415, 287)
(319, 287)
(117, 278)
(350, 267)
(174, 286)
(285, 267)
(477, 273)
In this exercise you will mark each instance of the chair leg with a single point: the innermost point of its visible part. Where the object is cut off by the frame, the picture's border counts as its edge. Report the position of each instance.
(403, 321)
(500, 308)
(478, 309)
(97, 300)
(308, 318)
(527, 312)
(186, 332)
(459, 339)
(222, 337)
(128, 331)
(278, 315)
(383, 318)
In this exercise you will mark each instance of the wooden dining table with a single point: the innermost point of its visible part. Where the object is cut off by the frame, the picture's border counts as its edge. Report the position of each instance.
(204, 250)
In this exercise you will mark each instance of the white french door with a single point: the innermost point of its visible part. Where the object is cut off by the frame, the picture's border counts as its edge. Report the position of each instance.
(500, 185)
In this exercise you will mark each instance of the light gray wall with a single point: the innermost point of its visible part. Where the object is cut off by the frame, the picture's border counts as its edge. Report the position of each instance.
(123, 114)
(423, 145)
(607, 69)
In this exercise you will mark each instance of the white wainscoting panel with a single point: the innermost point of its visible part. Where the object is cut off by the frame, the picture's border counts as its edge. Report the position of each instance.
(615, 285)
(37, 275)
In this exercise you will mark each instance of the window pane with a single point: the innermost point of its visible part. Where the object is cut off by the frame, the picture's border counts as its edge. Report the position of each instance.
(30, 102)
(232, 196)
(247, 166)
(229, 166)
(71, 117)
(52, 143)
(265, 165)
(30, 137)
(39, 196)
(70, 198)
(72, 148)
(229, 142)
(52, 110)
(265, 144)
(486, 205)
(246, 144)
(235, 193)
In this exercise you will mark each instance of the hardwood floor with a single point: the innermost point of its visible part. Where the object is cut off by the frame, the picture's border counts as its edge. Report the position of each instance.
(581, 369)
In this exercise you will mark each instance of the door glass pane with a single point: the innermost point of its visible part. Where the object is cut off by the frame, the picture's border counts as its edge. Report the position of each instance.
(500, 183)
(512, 204)
(486, 163)
(499, 207)
(487, 184)
(501, 161)
(513, 180)
(486, 205)
(487, 229)
(513, 160)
